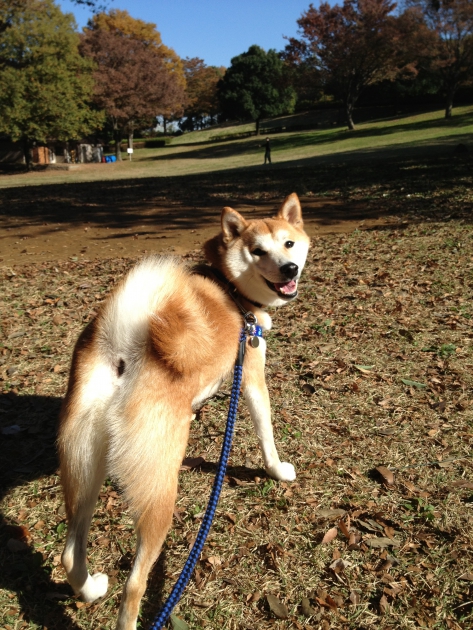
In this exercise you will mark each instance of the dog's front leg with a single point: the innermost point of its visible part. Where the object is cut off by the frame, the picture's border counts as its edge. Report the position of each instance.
(257, 398)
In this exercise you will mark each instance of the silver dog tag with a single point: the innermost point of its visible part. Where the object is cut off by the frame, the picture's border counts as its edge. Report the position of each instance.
(254, 342)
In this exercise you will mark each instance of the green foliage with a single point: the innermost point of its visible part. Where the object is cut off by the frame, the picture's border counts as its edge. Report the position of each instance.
(45, 82)
(254, 87)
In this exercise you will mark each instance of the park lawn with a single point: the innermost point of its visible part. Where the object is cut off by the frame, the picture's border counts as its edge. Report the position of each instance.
(370, 374)
(422, 133)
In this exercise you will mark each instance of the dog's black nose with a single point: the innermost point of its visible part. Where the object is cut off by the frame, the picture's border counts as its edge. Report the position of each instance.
(289, 270)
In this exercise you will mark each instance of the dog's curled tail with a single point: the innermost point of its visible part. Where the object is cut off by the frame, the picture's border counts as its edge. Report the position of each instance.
(157, 310)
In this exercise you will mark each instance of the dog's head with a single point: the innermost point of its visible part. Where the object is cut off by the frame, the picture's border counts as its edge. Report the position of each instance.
(263, 258)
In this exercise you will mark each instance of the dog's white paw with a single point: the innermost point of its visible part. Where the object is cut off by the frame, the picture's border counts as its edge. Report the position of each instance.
(282, 472)
(96, 586)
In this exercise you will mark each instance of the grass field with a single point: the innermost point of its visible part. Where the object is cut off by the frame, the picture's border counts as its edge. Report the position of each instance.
(371, 378)
(420, 134)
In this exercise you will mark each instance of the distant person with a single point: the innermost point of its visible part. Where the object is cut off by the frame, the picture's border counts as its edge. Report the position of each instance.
(267, 153)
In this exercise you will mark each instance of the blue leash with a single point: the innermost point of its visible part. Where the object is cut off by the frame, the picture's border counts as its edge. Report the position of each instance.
(199, 543)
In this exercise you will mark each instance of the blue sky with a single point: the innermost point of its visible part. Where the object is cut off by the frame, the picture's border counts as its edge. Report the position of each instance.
(214, 30)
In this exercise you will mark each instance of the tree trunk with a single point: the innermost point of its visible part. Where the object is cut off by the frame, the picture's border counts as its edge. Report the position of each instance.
(349, 113)
(164, 125)
(118, 139)
(27, 153)
(258, 121)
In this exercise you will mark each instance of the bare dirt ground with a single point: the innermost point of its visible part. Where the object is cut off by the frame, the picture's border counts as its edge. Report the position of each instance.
(91, 220)
(161, 229)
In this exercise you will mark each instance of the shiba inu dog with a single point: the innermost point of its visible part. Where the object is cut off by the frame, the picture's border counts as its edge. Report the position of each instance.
(163, 342)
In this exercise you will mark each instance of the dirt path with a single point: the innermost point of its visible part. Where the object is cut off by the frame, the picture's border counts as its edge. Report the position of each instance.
(176, 228)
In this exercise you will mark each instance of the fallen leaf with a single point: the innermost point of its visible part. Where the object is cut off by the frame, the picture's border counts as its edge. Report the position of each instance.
(331, 514)
(214, 561)
(410, 383)
(355, 598)
(277, 607)
(331, 602)
(307, 609)
(344, 527)
(383, 605)
(386, 474)
(370, 525)
(178, 624)
(354, 541)
(329, 536)
(389, 532)
(382, 542)
(468, 577)
(365, 369)
(192, 462)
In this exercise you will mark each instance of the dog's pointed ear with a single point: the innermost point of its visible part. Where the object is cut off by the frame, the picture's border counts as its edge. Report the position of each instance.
(233, 224)
(291, 212)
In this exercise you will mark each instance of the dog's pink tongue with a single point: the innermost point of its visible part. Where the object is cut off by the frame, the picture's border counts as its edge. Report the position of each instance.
(286, 287)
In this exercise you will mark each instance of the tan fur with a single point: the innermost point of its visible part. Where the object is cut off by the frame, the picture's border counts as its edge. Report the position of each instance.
(163, 343)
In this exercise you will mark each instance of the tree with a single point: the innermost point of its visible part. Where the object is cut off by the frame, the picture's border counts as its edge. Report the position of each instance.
(137, 78)
(254, 87)
(201, 91)
(121, 22)
(46, 84)
(357, 44)
(452, 21)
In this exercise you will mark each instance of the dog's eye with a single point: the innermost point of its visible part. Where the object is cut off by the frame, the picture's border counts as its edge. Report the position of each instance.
(259, 252)
(289, 244)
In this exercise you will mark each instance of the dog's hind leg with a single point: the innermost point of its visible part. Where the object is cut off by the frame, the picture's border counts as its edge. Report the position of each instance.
(82, 448)
(151, 529)
(146, 452)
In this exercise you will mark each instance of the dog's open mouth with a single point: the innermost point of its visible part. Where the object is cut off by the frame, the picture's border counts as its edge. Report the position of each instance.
(286, 290)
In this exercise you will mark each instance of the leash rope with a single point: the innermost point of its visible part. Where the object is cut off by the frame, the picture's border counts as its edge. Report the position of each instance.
(204, 529)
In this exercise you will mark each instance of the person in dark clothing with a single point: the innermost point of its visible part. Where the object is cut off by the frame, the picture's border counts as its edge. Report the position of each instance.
(267, 153)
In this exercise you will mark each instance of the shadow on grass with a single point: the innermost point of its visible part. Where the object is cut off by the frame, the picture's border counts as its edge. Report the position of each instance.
(330, 136)
(25, 457)
(194, 201)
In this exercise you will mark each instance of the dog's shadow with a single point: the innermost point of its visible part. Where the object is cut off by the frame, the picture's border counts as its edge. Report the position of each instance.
(28, 453)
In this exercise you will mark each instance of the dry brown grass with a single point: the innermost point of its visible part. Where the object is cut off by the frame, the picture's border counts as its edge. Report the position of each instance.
(371, 366)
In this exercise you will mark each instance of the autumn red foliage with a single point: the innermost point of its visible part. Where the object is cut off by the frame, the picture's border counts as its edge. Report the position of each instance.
(201, 89)
(133, 82)
(357, 44)
(452, 51)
